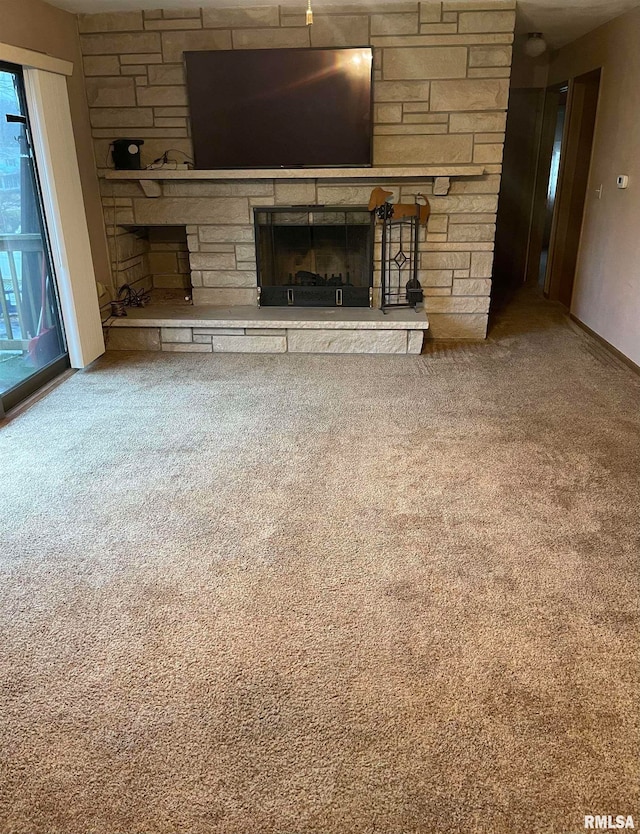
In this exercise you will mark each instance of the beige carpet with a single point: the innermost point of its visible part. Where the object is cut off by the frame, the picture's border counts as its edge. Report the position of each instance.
(325, 595)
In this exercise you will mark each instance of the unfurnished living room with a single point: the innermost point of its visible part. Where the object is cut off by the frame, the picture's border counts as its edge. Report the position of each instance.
(319, 416)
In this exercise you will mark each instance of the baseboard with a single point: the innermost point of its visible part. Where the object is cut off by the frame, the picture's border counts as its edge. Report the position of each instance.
(617, 353)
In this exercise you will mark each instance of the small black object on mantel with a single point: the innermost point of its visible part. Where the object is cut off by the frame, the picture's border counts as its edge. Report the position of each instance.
(126, 154)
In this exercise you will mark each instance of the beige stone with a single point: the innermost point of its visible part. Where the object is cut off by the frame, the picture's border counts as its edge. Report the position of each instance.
(110, 92)
(208, 332)
(388, 113)
(270, 38)
(477, 122)
(438, 28)
(180, 14)
(166, 74)
(430, 12)
(245, 253)
(435, 277)
(133, 338)
(421, 62)
(174, 25)
(120, 118)
(163, 210)
(213, 260)
(176, 334)
(477, 5)
(228, 18)
(115, 44)
(490, 56)
(445, 260)
(470, 94)
(415, 342)
(230, 278)
(489, 72)
(110, 22)
(491, 21)
(401, 91)
(240, 188)
(457, 304)
(229, 297)
(141, 58)
(348, 341)
(340, 195)
(295, 194)
(471, 286)
(175, 44)
(167, 96)
(422, 150)
(471, 232)
(453, 204)
(487, 153)
(265, 331)
(458, 325)
(101, 65)
(225, 234)
(249, 344)
(339, 30)
(481, 264)
(394, 24)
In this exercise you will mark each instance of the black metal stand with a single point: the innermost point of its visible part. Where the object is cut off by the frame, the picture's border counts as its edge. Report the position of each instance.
(400, 284)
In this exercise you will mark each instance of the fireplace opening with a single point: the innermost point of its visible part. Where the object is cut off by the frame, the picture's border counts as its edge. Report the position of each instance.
(314, 256)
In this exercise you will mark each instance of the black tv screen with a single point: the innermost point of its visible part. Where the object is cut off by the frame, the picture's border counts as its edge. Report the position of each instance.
(280, 108)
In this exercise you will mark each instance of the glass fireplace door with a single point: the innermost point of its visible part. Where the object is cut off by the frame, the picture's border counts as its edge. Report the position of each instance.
(32, 341)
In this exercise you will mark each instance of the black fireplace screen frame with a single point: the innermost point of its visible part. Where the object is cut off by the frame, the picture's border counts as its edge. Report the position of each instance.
(326, 295)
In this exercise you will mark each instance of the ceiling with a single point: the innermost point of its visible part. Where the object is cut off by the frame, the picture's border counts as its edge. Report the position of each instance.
(561, 21)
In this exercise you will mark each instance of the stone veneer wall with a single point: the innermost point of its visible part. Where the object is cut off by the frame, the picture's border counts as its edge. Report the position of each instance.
(441, 80)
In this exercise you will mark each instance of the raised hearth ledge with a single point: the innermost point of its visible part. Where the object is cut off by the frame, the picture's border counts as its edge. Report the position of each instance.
(270, 330)
(303, 318)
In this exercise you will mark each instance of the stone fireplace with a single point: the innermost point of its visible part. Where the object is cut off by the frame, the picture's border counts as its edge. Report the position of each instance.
(314, 256)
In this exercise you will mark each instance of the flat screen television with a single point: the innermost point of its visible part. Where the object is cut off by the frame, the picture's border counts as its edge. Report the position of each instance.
(280, 108)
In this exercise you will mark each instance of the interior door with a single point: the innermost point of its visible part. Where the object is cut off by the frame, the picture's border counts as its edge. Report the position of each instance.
(32, 341)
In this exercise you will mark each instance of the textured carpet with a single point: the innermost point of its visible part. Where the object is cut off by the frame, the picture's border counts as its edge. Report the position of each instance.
(325, 595)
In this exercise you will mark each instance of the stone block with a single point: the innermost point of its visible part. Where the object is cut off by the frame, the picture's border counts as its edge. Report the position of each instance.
(489, 72)
(110, 92)
(275, 38)
(249, 344)
(115, 118)
(465, 203)
(388, 113)
(422, 62)
(471, 232)
(110, 22)
(445, 260)
(225, 234)
(191, 347)
(477, 122)
(490, 56)
(405, 23)
(344, 195)
(401, 91)
(133, 338)
(246, 252)
(166, 74)
(471, 286)
(456, 304)
(348, 341)
(163, 25)
(415, 342)
(116, 44)
(227, 18)
(239, 188)
(438, 28)
(265, 331)
(166, 210)
(143, 58)
(101, 65)
(174, 44)
(165, 96)
(486, 21)
(230, 278)
(470, 94)
(483, 153)
(178, 14)
(208, 332)
(213, 260)
(430, 12)
(295, 193)
(425, 149)
(176, 334)
(339, 30)
(458, 325)
(441, 278)
(481, 264)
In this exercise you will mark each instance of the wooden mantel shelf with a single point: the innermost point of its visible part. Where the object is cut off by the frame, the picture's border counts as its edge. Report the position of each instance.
(397, 172)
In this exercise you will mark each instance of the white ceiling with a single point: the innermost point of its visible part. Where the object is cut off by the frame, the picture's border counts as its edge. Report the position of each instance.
(561, 21)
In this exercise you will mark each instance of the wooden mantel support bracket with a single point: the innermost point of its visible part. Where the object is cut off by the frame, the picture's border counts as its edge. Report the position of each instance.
(441, 186)
(151, 188)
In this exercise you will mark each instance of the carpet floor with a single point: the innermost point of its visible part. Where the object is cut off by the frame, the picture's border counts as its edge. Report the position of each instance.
(324, 594)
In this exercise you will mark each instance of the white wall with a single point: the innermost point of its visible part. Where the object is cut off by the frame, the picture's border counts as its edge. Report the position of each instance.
(607, 287)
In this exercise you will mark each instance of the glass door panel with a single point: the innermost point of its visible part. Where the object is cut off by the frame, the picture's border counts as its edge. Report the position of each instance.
(32, 342)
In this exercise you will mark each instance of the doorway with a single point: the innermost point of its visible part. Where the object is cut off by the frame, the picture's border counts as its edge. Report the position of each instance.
(575, 110)
(32, 341)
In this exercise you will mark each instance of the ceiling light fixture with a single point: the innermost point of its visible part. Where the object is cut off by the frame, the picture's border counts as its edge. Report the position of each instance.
(309, 16)
(535, 45)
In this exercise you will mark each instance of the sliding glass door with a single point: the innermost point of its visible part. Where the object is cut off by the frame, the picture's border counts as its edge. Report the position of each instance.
(32, 341)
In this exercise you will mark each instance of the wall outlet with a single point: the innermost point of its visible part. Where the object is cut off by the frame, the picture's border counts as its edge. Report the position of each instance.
(622, 181)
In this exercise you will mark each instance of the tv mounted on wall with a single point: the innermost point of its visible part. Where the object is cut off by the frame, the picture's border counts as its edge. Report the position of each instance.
(280, 108)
